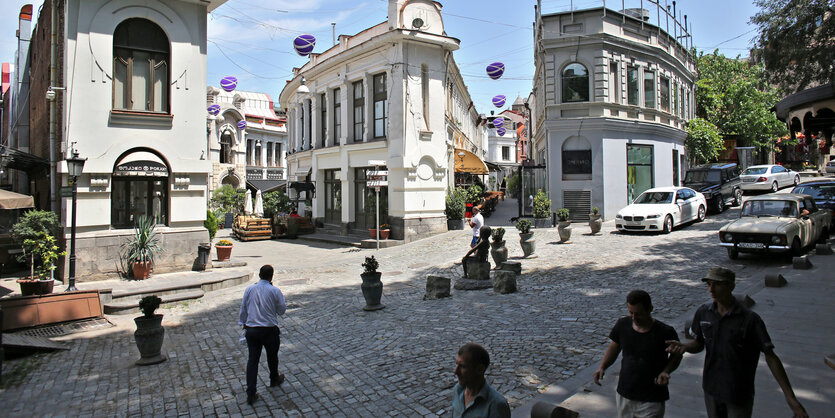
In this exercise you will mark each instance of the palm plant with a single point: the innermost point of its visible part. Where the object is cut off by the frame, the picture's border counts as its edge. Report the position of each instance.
(145, 244)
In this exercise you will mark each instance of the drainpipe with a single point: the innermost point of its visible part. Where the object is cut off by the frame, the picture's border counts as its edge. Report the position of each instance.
(52, 108)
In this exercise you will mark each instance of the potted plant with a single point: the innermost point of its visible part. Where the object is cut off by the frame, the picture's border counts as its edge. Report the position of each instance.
(526, 239)
(372, 286)
(141, 249)
(43, 252)
(564, 227)
(149, 332)
(455, 210)
(594, 220)
(541, 209)
(498, 250)
(224, 249)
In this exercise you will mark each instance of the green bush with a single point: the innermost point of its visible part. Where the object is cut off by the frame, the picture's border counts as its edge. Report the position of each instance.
(474, 194)
(31, 225)
(44, 250)
(370, 265)
(541, 205)
(455, 208)
(524, 226)
(228, 199)
(276, 202)
(149, 304)
(563, 214)
(498, 234)
(595, 210)
(210, 224)
(513, 186)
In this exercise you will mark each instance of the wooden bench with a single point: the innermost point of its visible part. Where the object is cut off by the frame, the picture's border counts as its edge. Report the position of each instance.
(288, 226)
(252, 228)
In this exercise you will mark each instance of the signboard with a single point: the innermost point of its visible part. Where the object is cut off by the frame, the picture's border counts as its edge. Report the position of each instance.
(376, 173)
(576, 162)
(141, 168)
(377, 163)
(65, 191)
(377, 183)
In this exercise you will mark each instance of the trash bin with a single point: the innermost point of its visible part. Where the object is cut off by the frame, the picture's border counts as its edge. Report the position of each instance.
(203, 251)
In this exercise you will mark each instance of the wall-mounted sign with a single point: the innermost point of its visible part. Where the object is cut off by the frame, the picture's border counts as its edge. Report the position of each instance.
(377, 163)
(576, 162)
(376, 173)
(141, 168)
(377, 183)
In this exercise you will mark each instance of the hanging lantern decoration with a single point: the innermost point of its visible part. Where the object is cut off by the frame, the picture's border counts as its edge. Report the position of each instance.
(304, 44)
(498, 122)
(228, 83)
(214, 109)
(495, 70)
(501, 131)
(242, 125)
(499, 100)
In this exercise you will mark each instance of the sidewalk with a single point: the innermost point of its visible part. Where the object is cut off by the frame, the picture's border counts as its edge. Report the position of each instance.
(800, 318)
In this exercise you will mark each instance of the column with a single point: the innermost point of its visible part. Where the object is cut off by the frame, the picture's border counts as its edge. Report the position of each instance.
(251, 146)
(307, 124)
(368, 87)
(346, 112)
(264, 156)
(314, 121)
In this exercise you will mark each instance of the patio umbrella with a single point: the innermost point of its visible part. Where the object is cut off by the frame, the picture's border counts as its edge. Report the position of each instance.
(259, 204)
(248, 204)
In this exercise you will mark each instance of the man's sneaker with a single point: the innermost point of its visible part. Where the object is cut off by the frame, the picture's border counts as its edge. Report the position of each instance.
(276, 382)
(250, 399)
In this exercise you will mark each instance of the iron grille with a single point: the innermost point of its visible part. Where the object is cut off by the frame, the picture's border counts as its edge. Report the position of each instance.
(578, 202)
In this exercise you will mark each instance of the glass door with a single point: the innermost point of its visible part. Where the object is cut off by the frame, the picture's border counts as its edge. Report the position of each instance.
(333, 197)
(638, 170)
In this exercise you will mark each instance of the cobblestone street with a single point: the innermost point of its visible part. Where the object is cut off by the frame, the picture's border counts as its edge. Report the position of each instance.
(342, 361)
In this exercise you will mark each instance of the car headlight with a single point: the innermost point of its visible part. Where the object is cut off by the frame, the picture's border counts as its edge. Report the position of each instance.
(728, 237)
(618, 216)
(653, 216)
(777, 239)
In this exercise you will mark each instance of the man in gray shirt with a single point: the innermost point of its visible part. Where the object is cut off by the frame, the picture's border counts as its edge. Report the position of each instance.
(260, 308)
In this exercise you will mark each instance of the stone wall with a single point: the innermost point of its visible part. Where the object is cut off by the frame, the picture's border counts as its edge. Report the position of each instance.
(416, 228)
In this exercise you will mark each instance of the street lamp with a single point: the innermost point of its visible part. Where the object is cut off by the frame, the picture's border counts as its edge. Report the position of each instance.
(74, 167)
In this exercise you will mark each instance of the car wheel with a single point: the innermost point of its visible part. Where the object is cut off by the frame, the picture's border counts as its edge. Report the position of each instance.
(796, 180)
(733, 254)
(737, 197)
(701, 216)
(774, 187)
(668, 224)
(718, 204)
(796, 250)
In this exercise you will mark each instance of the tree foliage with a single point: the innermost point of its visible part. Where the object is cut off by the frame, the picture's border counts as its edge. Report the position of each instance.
(796, 42)
(541, 205)
(703, 141)
(734, 96)
(228, 199)
(276, 202)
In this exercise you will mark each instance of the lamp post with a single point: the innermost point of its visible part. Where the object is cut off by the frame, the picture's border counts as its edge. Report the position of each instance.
(74, 167)
(461, 156)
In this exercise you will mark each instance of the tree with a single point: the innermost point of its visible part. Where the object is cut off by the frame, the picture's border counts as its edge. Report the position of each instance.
(703, 141)
(796, 42)
(228, 199)
(733, 95)
(276, 202)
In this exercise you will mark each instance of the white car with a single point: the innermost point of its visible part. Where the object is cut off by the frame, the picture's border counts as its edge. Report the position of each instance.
(661, 209)
(830, 167)
(768, 177)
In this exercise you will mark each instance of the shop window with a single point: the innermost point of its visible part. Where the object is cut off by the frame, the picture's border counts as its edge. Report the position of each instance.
(140, 67)
(575, 83)
(576, 159)
(639, 170)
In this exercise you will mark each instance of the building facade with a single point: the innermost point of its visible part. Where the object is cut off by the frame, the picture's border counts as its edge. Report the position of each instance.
(389, 98)
(613, 93)
(128, 95)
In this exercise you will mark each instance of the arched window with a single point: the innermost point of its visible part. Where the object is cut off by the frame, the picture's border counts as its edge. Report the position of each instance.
(140, 67)
(576, 159)
(575, 83)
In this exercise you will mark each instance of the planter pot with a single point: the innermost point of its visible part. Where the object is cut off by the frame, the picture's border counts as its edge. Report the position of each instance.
(455, 224)
(499, 252)
(564, 229)
(541, 222)
(372, 291)
(384, 233)
(141, 271)
(223, 252)
(31, 286)
(528, 243)
(595, 223)
(149, 336)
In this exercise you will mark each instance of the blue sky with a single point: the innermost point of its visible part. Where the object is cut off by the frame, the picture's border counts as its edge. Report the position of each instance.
(252, 39)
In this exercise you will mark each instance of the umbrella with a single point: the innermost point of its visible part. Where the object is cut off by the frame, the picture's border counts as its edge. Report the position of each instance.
(248, 204)
(12, 200)
(259, 204)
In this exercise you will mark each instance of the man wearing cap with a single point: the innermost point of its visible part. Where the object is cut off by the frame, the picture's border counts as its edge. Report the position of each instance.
(733, 337)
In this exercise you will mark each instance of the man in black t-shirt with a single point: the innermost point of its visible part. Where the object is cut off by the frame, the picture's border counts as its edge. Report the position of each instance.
(646, 366)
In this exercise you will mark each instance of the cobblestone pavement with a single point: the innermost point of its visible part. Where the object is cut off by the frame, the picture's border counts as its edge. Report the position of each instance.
(342, 361)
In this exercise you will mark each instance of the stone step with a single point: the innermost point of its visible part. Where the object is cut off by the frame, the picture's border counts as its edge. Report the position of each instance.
(129, 305)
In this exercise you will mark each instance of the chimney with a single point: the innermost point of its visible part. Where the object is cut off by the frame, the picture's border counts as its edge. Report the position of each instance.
(394, 13)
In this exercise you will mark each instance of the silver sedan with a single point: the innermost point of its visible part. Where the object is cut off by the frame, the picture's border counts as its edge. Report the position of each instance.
(768, 177)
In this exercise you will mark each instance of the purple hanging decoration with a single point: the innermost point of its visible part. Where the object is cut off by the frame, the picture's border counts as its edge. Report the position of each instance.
(214, 109)
(499, 100)
(495, 70)
(242, 125)
(498, 122)
(500, 131)
(228, 83)
(304, 44)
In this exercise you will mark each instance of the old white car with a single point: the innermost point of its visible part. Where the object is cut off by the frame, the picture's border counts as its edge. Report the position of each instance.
(768, 177)
(662, 208)
(776, 223)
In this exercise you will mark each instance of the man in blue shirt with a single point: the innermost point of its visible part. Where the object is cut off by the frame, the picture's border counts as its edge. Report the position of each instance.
(260, 308)
(472, 396)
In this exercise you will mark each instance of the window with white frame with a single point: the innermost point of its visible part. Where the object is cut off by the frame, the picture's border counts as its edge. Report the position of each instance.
(140, 67)
(337, 116)
(649, 89)
(664, 93)
(575, 83)
(505, 153)
(381, 106)
(359, 111)
(632, 85)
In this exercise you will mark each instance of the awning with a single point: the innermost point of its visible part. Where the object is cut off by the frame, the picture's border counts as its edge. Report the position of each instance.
(467, 162)
(19, 160)
(141, 163)
(267, 185)
(12, 200)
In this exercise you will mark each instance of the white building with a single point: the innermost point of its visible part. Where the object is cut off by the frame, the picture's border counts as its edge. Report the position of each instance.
(255, 154)
(129, 96)
(502, 149)
(613, 93)
(391, 93)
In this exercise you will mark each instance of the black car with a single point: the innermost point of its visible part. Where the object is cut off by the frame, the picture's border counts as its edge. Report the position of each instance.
(821, 190)
(718, 182)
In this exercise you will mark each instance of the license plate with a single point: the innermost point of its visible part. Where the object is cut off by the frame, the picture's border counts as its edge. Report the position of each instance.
(750, 245)
(748, 180)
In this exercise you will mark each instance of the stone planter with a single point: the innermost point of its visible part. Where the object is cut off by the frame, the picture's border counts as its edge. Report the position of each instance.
(372, 291)
(455, 224)
(528, 243)
(498, 251)
(223, 252)
(29, 286)
(141, 271)
(541, 223)
(595, 223)
(149, 336)
(564, 229)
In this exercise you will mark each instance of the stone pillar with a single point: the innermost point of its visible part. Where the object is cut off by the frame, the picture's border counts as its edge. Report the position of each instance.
(315, 129)
(243, 141)
(264, 154)
(331, 138)
(343, 133)
(368, 90)
(282, 162)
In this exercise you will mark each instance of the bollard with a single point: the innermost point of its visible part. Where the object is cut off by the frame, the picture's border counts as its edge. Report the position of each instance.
(548, 410)
(775, 280)
(801, 263)
(437, 287)
(513, 266)
(504, 282)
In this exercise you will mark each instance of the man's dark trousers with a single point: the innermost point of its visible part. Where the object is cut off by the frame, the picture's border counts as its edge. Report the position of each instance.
(256, 338)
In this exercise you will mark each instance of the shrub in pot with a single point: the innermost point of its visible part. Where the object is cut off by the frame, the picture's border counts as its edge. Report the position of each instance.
(142, 247)
(541, 209)
(594, 220)
(210, 224)
(43, 252)
(526, 239)
(372, 286)
(498, 250)
(455, 209)
(149, 333)
(564, 228)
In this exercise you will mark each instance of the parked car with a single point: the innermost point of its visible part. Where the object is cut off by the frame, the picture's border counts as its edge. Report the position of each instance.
(768, 177)
(662, 209)
(830, 166)
(719, 183)
(776, 223)
(822, 191)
